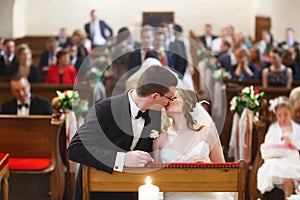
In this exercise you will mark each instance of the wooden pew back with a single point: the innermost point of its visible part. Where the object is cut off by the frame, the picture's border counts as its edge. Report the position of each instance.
(206, 177)
(34, 136)
(20, 136)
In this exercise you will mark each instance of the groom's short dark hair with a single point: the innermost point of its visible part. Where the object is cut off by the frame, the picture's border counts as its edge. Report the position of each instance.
(155, 79)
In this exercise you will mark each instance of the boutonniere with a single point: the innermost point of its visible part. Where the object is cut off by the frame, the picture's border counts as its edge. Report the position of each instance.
(154, 134)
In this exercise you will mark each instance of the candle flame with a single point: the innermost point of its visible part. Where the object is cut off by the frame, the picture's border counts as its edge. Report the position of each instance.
(148, 180)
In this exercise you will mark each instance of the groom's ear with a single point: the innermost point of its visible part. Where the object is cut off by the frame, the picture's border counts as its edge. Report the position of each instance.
(154, 96)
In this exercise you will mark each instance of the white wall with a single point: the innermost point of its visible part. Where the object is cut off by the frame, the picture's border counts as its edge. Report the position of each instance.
(6, 7)
(19, 18)
(283, 13)
(44, 17)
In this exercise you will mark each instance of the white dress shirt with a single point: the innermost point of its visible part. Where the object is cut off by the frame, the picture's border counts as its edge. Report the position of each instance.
(23, 111)
(98, 39)
(137, 128)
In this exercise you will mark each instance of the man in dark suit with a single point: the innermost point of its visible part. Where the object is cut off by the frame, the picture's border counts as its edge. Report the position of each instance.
(24, 102)
(289, 39)
(116, 131)
(177, 48)
(48, 57)
(8, 58)
(208, 37)
(96, 30)
(137, 57)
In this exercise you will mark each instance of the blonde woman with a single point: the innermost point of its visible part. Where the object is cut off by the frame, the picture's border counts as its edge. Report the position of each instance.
(24, 64)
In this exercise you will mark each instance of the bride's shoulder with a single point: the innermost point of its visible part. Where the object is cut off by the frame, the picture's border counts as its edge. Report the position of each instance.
(163, 135)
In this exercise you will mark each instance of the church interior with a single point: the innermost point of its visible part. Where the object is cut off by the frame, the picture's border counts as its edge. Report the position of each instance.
(58, 59)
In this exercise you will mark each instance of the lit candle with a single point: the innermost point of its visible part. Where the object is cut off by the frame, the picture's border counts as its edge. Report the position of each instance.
(148, 191)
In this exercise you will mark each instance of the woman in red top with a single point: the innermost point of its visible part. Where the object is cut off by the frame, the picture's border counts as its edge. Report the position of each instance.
(62, 72)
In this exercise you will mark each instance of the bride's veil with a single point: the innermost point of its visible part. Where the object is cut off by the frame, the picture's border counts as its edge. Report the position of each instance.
(202, 118)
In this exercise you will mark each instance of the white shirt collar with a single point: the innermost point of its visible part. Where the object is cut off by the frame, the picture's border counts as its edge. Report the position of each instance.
(26, 101)
(134, 109)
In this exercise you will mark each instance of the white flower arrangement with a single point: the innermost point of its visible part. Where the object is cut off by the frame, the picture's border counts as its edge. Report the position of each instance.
(154, 134)
(220, 74)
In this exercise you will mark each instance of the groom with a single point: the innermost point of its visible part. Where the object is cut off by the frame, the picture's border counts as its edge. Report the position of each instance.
(116, 131)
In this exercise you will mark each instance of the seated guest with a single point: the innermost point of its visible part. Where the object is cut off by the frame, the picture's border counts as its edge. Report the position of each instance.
(277, 74)
(79, 39)
(8, 58)
(243, 69)
(48, 57)
(63, 38)
(151, 58)
(137, 57)
(62, 72)
(289, 61)
(24, 64)
(24, 102)
(180, 48)
(256, 59)
(74, 60)
(289, 38)
(159, 43)
(224, 57)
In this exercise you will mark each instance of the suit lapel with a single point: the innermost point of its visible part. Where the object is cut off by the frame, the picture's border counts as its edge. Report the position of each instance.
(122, 117)
(31, 107)
(15, 107)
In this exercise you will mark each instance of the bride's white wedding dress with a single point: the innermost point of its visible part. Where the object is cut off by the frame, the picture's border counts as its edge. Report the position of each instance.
(201, 150)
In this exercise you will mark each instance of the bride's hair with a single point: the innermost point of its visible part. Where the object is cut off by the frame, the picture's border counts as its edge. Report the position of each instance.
(190, 98)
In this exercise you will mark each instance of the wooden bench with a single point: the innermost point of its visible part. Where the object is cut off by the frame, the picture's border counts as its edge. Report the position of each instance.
(4, 174)
(30, 141)
(198, 177)
(45, 90)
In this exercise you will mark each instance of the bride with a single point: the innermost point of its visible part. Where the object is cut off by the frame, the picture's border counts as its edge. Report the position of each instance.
(192, 137)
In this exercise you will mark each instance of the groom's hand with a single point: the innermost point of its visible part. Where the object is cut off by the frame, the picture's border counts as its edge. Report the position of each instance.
(137, 159)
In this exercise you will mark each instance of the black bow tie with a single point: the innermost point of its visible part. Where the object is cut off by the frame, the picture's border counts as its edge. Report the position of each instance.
(24, 104)
(144, 115)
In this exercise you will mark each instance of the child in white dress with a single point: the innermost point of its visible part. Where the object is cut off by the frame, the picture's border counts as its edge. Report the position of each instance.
(280, 151)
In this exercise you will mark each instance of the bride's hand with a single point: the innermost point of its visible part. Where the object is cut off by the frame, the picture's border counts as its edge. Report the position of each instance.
(196, 159)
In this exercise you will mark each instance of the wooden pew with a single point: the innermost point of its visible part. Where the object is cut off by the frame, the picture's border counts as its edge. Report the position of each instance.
(4, 174)
(45, 90)
(261, 128)
(34, 137)
(203, 177)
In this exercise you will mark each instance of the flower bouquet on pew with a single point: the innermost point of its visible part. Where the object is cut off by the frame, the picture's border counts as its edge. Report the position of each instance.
(244, 106)
(210, 60)
(221, 75)
(69, 100)
(249, 97)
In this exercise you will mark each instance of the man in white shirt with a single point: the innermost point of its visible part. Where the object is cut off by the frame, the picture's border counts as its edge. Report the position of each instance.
(208, 37)
(97, 30)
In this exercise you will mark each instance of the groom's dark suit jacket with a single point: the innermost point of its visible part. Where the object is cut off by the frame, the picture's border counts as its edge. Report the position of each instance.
(106, 131)
(38, 106)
